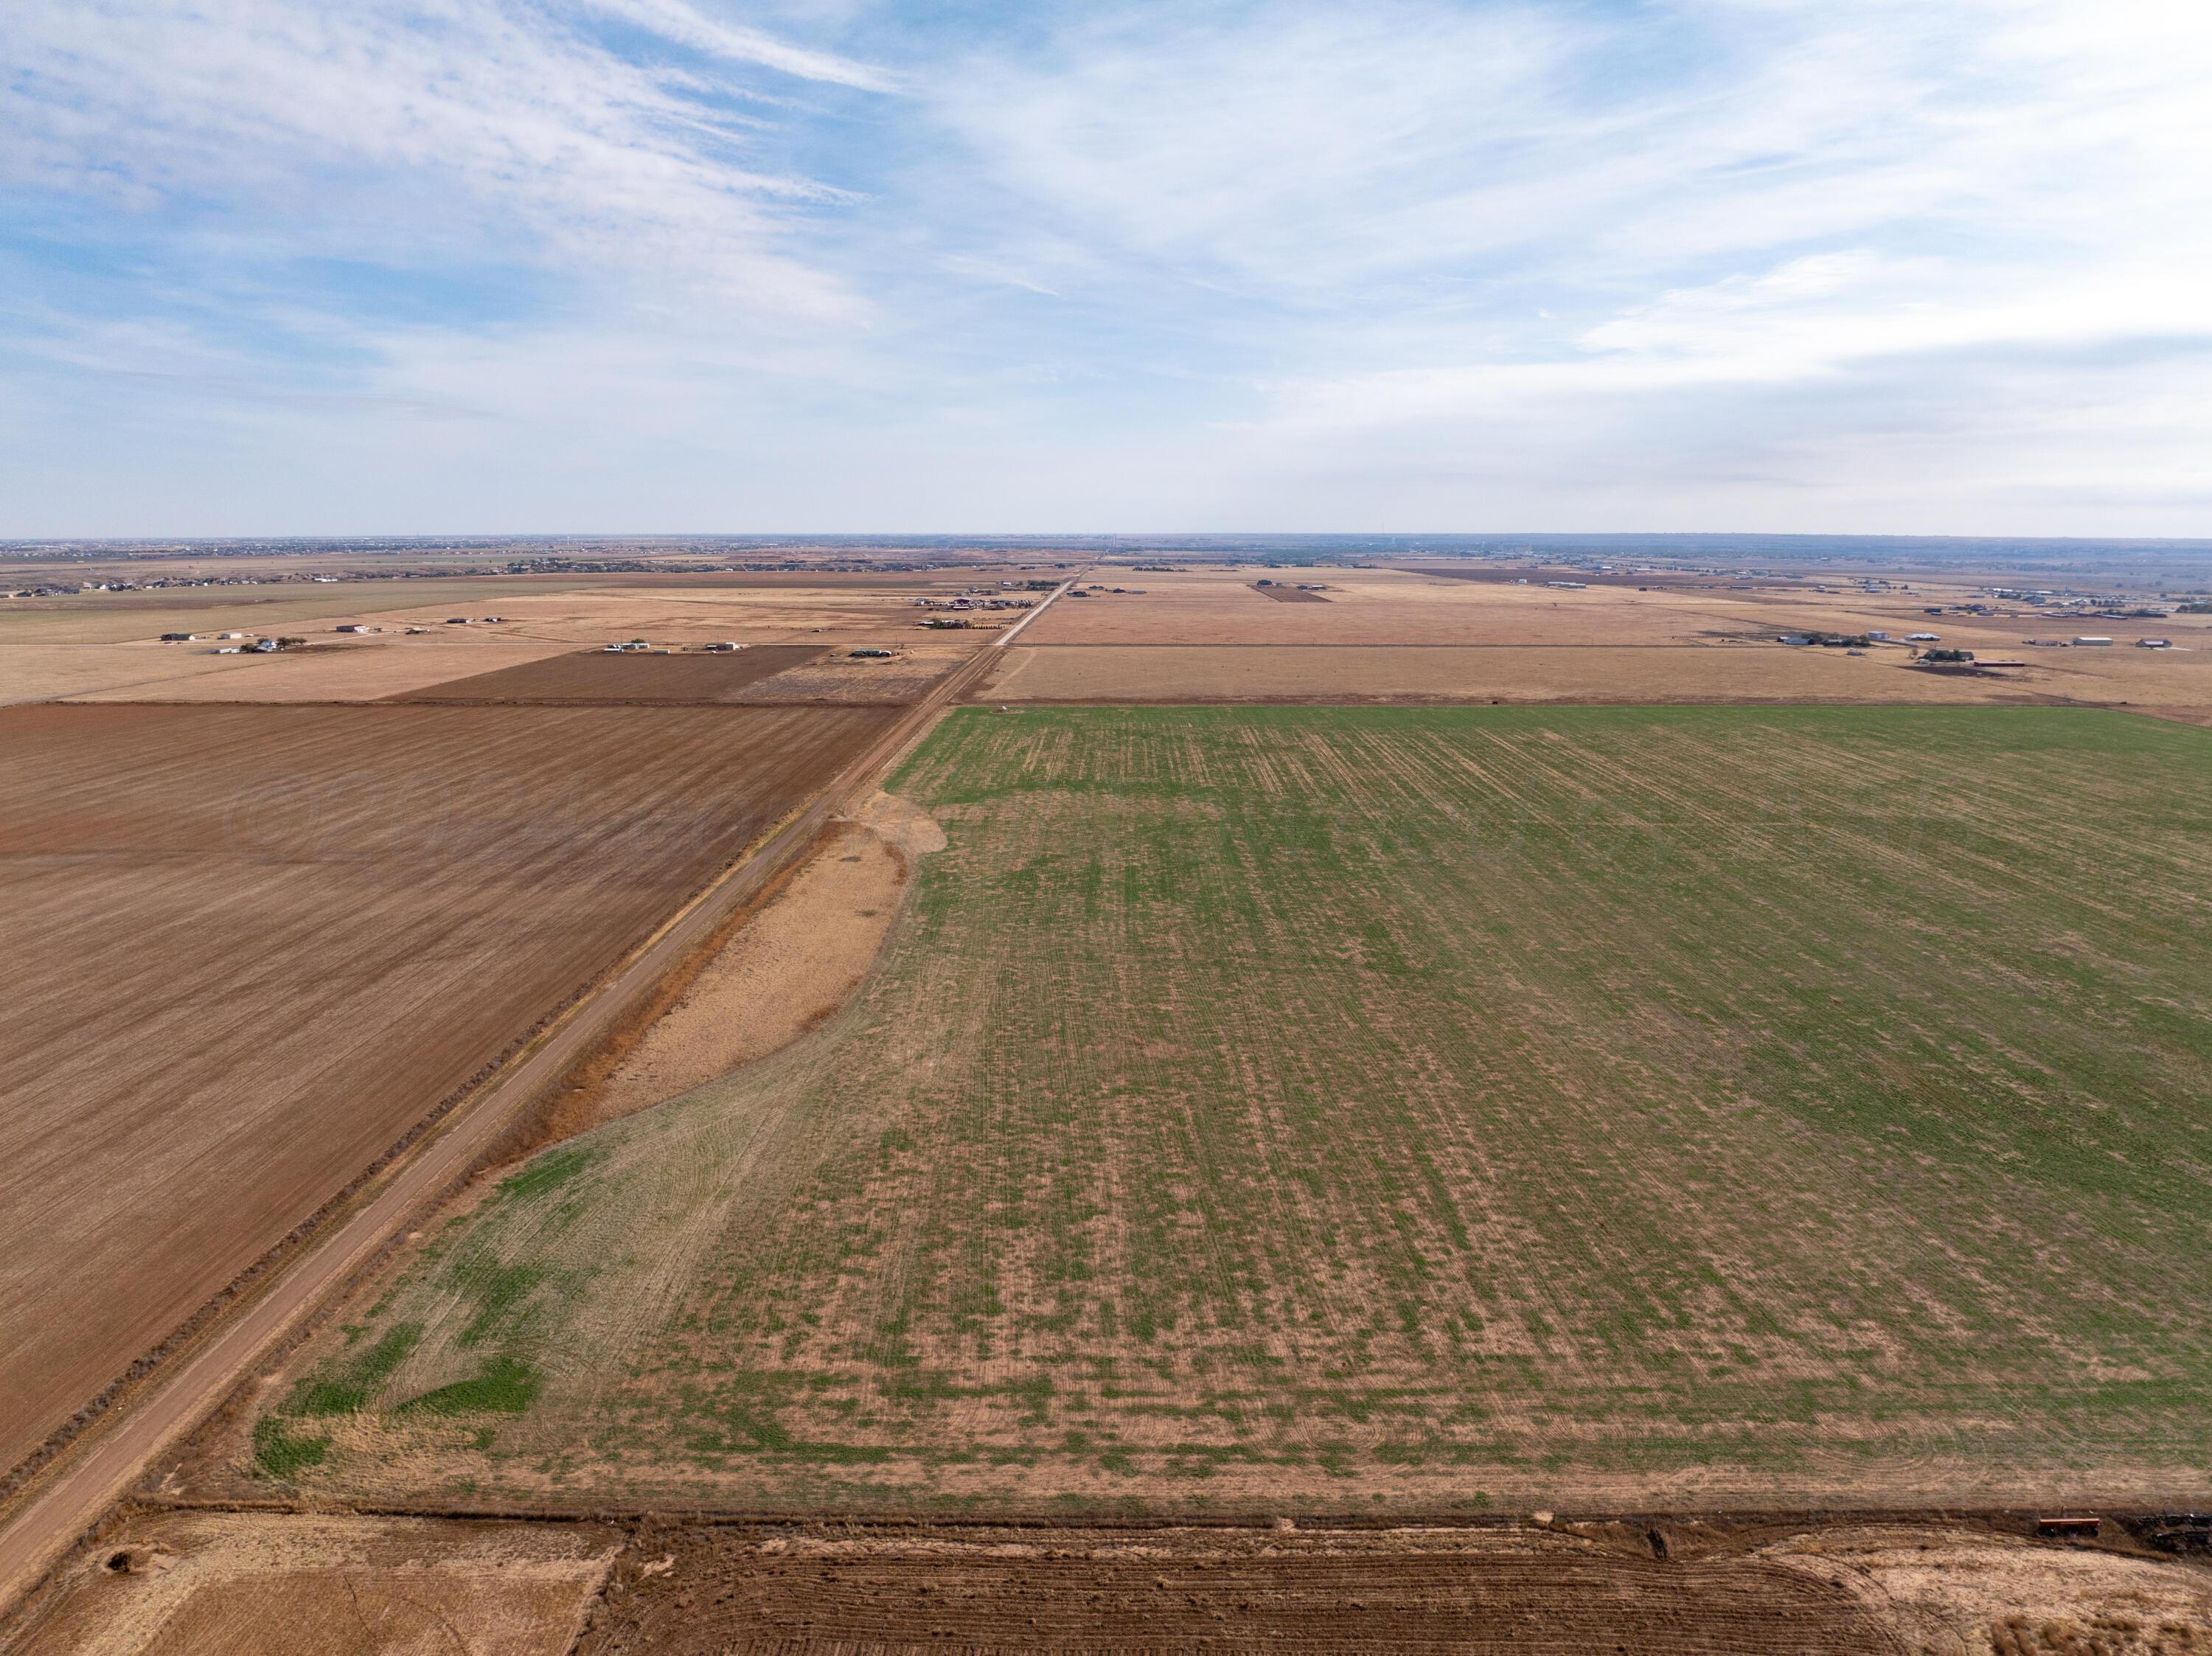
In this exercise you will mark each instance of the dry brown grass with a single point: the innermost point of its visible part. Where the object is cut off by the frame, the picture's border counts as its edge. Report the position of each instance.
(1956, 1589)
(223, 1584)
(784, 971)
(838, 680)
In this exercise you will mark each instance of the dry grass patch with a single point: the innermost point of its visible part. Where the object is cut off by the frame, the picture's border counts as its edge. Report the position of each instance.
(1934, 1590)
(191, 1584)
(842, 679)
(785, 970)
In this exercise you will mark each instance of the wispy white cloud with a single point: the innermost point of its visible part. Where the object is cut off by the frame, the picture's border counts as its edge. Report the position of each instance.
(674, 19)
(1815, 318)
(1418, 263)
(1518, 245)
(465, 123)
(1302, 145)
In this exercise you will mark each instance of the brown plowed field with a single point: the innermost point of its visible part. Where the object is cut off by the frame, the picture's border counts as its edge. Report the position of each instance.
(1461, 1592)
(248, 948)
(599, 677)
(1290, 595)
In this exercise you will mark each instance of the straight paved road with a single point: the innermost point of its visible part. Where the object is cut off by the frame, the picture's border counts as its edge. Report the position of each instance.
(89, 1480)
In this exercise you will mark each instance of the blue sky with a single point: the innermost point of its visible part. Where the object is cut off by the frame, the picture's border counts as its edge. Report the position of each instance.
(406, 266)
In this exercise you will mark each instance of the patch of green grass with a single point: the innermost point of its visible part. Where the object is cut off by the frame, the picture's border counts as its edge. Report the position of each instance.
(279, 1452)
(505, 1386)
(347, 1384)
(548, 1173)
(499, 1292)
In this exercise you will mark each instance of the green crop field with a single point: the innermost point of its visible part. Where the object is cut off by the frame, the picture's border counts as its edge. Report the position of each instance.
(1399, 1109)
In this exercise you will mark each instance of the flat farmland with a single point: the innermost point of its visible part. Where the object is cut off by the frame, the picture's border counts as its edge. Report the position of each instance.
(104, 646)
(590, 677)
(768, 675)
(331, 670)
(1412, 1110)
(836, 680)
(248, 948)
(107, 644)
(1412, 673)
(1394, 606)
(1679, 641)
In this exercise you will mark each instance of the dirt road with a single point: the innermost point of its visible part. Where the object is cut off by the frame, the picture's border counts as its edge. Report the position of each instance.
(72, 1496)
(1014, 632)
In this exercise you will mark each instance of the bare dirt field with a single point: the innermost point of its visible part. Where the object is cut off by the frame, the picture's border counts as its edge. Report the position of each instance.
(1329, 675)
(1522, 1592)
(248, 948)
(1388, 606)
(861, 613)
(1561, 1588)
(1676, 641)
(1282, 594)
(256, 1584)
(587, 677)
(1392, 1109)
